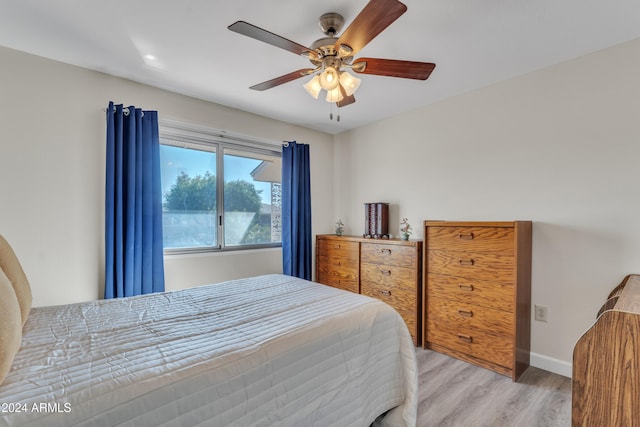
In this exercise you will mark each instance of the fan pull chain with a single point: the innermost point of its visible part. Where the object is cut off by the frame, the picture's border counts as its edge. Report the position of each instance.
(331, 114)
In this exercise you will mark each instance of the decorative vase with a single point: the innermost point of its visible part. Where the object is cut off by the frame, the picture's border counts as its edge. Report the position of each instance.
(404, 236)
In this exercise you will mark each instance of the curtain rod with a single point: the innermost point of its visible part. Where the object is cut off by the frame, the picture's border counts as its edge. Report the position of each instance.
(125, 110)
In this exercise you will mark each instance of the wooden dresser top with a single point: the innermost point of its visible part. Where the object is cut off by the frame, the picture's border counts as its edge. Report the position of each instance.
(630, 296)
(411, 242)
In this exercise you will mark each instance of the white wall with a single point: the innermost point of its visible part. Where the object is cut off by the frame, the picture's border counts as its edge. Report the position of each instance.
(52, 145)
(559, 147)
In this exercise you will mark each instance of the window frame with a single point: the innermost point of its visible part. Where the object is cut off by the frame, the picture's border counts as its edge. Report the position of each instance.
(187, 135)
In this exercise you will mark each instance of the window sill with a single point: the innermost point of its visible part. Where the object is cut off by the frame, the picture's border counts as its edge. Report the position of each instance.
(187, 252)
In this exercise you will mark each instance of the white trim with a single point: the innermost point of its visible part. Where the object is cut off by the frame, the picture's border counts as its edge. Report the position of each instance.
(198, 133)
(551, 364)
(217, 253)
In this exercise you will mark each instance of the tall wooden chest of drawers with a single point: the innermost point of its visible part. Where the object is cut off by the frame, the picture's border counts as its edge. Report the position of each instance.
(477, 296)
(386, 269)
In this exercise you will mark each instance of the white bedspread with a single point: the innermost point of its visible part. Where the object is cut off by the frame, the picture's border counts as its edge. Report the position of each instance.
(267, 351)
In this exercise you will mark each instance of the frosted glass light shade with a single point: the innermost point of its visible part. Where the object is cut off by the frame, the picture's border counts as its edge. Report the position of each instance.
(349, 83)
(329, 79)
(334, 95)
(313, 86)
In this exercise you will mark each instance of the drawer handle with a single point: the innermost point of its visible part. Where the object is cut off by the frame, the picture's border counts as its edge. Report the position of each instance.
(467, 236)
(465, 313)
(465, 287)
(385, 293)
(337, 247)
(465, 338)
(385, 251)
(386, 272)
(466, 262)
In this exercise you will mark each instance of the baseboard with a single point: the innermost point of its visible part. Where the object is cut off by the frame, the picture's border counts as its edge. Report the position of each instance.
(550, 364)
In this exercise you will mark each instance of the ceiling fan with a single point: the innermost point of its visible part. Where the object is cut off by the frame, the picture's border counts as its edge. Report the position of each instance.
(332, 56)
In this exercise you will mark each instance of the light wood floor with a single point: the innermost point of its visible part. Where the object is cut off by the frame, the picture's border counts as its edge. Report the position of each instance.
(458, 394)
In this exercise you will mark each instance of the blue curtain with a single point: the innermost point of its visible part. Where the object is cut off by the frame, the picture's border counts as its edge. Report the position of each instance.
(296, 211)
(133, 204)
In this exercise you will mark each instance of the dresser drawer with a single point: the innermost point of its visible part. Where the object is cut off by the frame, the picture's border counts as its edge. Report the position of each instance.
(496, 295)
(338, 273)
(402, 298)
(496, 349)
(394, 255)
(399, 293)
(340, 249)
(496, 239)
(388, 277)
(331, 262)
(330, 270)
(339, 281)
(497, 267)
(455, 314)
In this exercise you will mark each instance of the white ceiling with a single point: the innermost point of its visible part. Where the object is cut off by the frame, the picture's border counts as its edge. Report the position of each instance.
(473, 43)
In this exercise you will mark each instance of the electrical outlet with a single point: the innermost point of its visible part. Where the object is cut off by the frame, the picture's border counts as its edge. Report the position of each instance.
(541, 313)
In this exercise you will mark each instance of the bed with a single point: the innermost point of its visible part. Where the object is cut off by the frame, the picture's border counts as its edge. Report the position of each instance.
(271, 350)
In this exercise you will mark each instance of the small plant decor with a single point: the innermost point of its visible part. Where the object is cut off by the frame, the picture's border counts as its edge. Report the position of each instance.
(405, 229)
(339, 227)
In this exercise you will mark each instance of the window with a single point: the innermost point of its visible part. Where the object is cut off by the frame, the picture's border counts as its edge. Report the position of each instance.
(219, 191)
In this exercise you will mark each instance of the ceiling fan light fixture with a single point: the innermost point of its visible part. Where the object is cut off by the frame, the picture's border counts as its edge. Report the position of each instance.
(313, 86)
(329, 79)
(334, 95)
(349, 83)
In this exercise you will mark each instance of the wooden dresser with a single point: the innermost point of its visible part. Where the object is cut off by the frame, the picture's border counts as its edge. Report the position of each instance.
(606, 362)
(477, 292)
(387, 269)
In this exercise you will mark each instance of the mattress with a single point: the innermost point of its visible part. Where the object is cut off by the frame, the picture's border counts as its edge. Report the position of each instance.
(266, 351)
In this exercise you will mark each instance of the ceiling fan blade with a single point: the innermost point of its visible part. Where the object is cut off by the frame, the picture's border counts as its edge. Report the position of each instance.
(282, 79)
(372, 20)
(394, 68)
(249, 30)
(346, 99)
